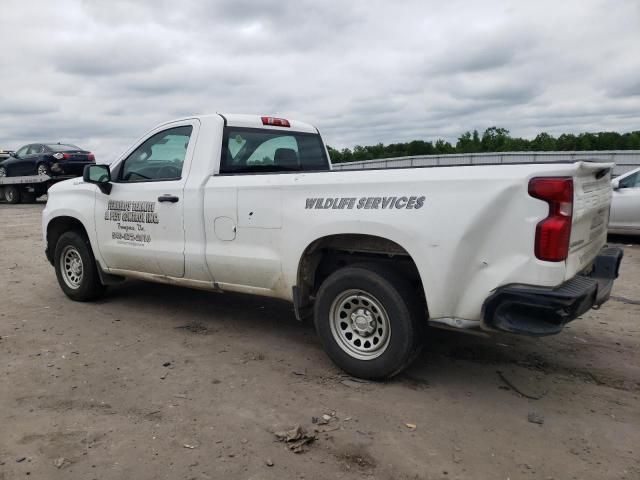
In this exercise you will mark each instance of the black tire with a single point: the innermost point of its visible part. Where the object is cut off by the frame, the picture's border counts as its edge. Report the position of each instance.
(404, 311)
(47, 170)
(88, 286)
(12, 194)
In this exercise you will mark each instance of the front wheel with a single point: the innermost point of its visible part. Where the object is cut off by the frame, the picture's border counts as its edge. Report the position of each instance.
(3, 172)
(76, 268)
(369, 320)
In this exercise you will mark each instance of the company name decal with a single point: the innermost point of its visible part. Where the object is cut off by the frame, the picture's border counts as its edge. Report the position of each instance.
(368, 203)
(130, 219)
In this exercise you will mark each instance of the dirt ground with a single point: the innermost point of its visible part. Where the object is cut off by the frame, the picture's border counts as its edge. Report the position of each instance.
(162, 382)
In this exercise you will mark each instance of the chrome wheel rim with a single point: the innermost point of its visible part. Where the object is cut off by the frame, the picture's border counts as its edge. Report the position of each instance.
(71, 266)
(42, 169)
(360, 324)
(3, 172)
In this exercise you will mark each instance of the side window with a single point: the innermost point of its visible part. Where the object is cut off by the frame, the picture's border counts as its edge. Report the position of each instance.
(22, 152)
(632, 181)
(264, 151)
(160, 157)
(35, 149)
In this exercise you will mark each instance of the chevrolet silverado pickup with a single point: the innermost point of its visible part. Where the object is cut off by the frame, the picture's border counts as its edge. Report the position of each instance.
(240, 203)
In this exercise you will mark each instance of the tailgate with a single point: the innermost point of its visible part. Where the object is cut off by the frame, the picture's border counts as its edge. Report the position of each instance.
(591, 202)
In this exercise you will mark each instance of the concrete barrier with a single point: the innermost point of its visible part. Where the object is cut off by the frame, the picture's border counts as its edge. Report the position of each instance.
(625, 160)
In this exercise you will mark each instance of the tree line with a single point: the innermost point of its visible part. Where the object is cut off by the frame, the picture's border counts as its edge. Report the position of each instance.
(493, 139)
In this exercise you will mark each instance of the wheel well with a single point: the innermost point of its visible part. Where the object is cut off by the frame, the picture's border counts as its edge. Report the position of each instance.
(325, 255)
(57, 227)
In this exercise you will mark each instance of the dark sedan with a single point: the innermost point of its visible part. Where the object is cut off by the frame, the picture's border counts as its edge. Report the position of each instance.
(46, 159)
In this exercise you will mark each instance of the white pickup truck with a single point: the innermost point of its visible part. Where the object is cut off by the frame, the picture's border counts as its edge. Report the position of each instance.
(249, 204)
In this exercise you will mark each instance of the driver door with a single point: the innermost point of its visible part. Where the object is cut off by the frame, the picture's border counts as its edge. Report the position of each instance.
(140, 223)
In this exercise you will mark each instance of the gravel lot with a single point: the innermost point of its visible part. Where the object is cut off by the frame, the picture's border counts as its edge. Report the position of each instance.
(161, 382)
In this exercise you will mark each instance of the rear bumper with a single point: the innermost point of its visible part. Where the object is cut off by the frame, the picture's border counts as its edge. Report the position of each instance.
(538, 311)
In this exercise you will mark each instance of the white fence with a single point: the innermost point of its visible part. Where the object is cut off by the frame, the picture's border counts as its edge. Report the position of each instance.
(625, 160)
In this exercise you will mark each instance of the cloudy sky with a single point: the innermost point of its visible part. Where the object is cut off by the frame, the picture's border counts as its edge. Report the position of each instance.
(100, 73)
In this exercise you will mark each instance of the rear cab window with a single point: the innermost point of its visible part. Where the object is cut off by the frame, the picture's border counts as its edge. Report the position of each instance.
(255, 150)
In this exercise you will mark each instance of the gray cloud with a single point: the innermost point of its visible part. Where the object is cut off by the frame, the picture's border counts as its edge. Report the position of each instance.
(87, 57)
(102, 73)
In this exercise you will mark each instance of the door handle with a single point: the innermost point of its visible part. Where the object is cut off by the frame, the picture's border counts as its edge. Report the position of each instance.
(168, 198)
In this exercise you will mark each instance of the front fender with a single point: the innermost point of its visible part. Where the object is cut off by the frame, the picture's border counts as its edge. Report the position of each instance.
(71, 199)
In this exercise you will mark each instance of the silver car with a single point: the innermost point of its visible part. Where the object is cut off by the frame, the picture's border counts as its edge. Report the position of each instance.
(625, 204)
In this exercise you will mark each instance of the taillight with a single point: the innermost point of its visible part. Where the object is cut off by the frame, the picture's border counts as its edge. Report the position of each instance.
(91, 157)
(275, 122)
(552, 233)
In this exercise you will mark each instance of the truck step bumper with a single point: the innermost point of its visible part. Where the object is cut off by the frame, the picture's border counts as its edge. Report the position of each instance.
(539, 311)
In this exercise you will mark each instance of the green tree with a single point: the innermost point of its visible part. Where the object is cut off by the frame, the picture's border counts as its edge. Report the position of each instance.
(360, 153)
(495, 139)
(586, 141)
(443, 147)
(469, 142)
(567, 142)
(543, 143)
(608, 141)
(631, 141)
(419, 147)
(334, 155)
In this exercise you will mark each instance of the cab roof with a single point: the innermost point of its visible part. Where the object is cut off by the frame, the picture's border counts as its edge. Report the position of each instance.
(256, 121)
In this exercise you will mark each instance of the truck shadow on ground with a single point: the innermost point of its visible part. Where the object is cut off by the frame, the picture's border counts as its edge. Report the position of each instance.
(565, 356)
(624, 239)
(449, 358)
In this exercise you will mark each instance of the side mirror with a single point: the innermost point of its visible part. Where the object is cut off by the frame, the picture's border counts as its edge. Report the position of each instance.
(13, 154)
(99, 175)
(615, 184)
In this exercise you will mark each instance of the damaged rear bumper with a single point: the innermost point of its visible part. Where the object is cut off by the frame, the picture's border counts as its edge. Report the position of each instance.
(538, 311)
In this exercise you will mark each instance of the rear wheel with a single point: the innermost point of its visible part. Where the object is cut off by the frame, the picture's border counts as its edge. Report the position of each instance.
(12, 194)
(369, 319)
(43, 169)
(76, 268)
